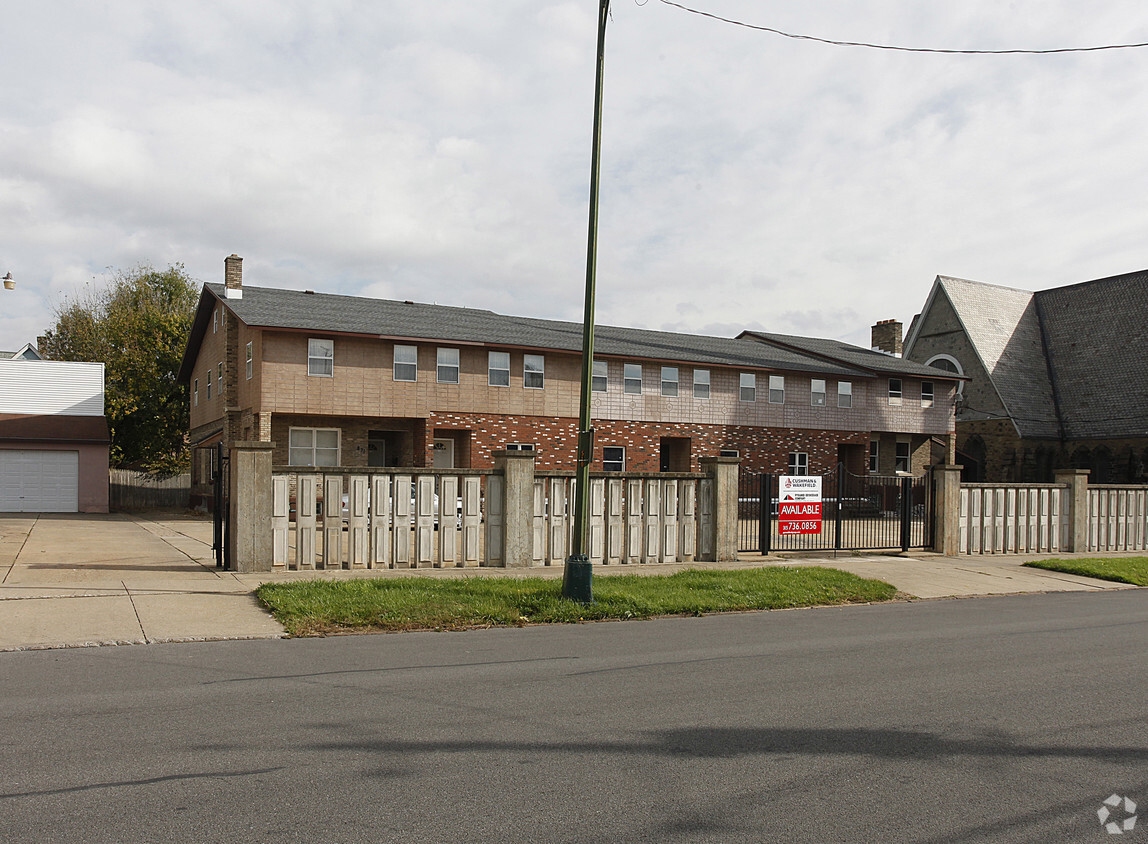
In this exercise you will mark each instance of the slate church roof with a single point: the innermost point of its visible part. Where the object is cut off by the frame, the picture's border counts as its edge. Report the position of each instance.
(1070, 361)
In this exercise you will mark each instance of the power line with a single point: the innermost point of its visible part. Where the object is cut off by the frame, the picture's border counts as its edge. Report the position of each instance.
(898, 48)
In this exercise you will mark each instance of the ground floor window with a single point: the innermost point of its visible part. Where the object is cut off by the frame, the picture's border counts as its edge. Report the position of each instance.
(904, 461)
(313, 447)
(798, 463)
(613, 458)
(520, 446)
(874, 457)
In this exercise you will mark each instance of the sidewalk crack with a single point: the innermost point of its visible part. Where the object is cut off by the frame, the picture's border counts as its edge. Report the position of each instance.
(135, 609)
(21, 551)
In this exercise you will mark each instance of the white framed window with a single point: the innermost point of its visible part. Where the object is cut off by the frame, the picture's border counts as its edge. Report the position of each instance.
(520, 447)
(533, 372)
(904, 458)
(446, 371)
(599, 379)
(250, 360)
(195, 393)
(729, 452)
(321, 358)
(949, 364)
(632, 378)
(313, 446)
(894, 391)
(498, 369)
(817, 392)
(406, 365)
(798, 463)
(613, 458)
(208, 379)
(844, 393)
(926, 394)
(669, 380)
(747, 390)
(701, 383)
(874, 456)
(215, 321)
(777, 389)
(219, 379)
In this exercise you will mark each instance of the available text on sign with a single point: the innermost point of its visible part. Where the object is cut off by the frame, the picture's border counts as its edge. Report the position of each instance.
(799, 504)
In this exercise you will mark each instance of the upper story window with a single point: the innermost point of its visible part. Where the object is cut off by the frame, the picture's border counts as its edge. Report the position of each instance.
(926, 394)
(250, 360)
(215, 321)
(406, 363)
(520, 446)
(669, 380)
(777, 389)
(817, 392)
(844, 393)
(701, 383)
(447, 369)
(533, 371)
(894, 391)
(598, 378)
(195, 393)
(798, 463)
(313, 446)
(498, 369)
(748, 387)
(321, 357)
(729, 452)
(632, 378)
(208, 379)
(219, 379)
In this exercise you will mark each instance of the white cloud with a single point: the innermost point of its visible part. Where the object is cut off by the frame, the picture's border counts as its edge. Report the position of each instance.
(440, 152)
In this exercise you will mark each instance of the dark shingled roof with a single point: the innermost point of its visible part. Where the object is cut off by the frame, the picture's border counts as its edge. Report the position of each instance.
(1097, 341)
(330, 313)
(855, 356)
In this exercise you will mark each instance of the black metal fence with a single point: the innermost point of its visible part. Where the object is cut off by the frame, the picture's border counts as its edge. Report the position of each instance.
(859, 512)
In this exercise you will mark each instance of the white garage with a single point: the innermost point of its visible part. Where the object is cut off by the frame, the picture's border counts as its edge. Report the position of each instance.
(39, 481)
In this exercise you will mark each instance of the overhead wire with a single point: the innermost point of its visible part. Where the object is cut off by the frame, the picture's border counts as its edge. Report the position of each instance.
(900, 48)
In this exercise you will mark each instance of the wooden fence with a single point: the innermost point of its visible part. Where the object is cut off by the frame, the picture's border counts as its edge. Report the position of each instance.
(1117, 518)
(413, 519)
(128, 490)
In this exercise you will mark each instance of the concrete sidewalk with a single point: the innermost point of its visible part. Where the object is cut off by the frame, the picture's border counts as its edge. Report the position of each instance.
(75, 580)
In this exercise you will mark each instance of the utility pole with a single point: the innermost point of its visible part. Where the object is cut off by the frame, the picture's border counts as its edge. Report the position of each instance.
(577, 576)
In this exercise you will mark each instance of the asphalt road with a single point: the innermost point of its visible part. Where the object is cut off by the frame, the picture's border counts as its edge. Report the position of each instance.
(991, 719)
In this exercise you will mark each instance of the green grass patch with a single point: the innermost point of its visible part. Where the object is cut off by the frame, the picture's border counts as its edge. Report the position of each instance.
(1122, 569)
(318, 607)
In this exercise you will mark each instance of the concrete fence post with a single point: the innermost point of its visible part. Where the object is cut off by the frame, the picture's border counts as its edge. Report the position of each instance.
(1077, 516)
(249, 529)
(947, 504)
(517, 468)
(722, 471)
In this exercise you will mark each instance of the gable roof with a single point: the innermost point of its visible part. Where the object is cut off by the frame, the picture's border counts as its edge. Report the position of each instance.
(325, 313)
(25, 352)
(871, 360)
(1066, 361)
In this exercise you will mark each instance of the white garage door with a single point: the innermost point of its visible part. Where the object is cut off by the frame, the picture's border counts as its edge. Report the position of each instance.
(39, 481)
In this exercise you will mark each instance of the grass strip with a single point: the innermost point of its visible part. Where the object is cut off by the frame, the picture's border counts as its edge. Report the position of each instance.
(1132, 570)
(319, 607)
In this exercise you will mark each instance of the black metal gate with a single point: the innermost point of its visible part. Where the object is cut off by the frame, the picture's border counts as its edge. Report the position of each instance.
(221, 506)
(858, 512)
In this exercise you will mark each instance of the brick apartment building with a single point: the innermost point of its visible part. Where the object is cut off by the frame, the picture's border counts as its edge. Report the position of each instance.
(348, 381)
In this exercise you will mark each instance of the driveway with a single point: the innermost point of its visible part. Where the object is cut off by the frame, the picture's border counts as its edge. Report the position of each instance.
(70, 580)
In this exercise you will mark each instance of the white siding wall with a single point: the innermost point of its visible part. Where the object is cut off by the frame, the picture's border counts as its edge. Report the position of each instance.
(50, 387)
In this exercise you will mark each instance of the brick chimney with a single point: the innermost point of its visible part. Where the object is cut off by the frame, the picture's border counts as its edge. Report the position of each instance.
(887, 337)
(233, 276)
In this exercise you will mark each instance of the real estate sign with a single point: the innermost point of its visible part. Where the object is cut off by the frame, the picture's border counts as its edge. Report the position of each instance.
(799, 504)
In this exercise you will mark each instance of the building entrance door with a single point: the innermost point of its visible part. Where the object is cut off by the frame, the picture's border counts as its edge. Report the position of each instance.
(443, 454)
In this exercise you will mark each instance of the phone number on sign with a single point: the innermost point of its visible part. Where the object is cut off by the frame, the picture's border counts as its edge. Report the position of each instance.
(799, 527)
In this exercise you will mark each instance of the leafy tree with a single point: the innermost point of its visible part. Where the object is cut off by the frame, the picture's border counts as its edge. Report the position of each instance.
(137, 326)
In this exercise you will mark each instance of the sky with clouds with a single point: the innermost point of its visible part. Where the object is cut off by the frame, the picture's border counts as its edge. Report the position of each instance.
(440, 151)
